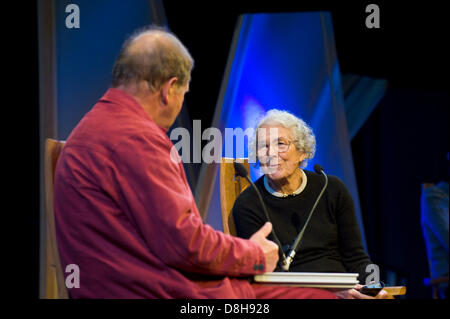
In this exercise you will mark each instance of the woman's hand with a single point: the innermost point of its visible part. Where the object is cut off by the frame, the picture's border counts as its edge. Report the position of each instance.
(355, 294)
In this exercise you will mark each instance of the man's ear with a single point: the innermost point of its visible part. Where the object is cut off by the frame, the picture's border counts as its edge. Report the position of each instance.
(166, 90)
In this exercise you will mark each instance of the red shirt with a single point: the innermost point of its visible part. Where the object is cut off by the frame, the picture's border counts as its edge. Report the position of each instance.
(126, 216)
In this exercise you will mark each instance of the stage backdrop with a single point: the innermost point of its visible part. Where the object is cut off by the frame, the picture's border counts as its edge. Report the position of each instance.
(85, 55)
(285, 61)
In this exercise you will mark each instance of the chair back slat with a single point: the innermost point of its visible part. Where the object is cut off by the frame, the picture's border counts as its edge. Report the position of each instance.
(230, 188)
(54, 277)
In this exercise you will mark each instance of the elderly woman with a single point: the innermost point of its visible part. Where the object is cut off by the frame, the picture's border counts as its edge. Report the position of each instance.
(283, 144)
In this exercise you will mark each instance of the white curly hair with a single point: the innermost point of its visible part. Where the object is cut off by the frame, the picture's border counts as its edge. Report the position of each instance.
(303, 136)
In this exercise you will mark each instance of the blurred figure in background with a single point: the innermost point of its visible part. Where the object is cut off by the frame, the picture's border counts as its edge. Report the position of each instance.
(435, 224)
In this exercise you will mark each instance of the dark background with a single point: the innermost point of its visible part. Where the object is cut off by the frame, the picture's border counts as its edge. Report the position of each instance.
(402, 144)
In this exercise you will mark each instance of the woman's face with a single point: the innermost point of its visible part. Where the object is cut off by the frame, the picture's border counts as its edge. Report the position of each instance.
(276, 152)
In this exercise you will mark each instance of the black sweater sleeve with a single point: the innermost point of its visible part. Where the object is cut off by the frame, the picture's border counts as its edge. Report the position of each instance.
(351, 249)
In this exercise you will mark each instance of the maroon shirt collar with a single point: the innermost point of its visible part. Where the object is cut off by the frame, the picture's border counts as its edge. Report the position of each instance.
(120, 97)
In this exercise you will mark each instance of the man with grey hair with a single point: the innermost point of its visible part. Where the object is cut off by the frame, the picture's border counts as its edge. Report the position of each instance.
(124, 211)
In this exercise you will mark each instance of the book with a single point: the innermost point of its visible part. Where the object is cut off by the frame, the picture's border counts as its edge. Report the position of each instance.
(308, 279)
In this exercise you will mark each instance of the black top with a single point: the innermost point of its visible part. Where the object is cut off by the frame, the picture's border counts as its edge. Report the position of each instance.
(331, 241)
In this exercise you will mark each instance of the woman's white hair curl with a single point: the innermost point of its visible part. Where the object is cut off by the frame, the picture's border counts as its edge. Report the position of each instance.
(303, 136)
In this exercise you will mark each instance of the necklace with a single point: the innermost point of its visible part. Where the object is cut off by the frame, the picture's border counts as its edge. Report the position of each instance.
(278, 194)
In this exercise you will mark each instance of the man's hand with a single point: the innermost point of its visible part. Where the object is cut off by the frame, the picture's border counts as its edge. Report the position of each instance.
(269, 248)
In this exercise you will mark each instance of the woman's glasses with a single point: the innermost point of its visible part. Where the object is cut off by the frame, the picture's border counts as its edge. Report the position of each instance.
(280, 146)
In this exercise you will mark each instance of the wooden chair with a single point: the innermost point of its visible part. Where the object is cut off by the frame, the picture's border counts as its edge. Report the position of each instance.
(230, 188)
(54, 277)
